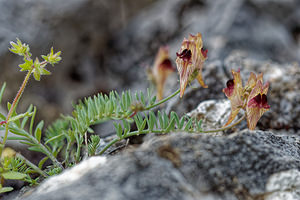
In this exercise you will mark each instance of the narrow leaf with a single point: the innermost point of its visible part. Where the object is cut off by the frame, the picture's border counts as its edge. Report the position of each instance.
(36, 148)
(41, 163)
(2, 91)
(13, 175)
(171, 125)
(38, 131)
(6, 189)
(32, 120)
(17, 117)
(188, 125)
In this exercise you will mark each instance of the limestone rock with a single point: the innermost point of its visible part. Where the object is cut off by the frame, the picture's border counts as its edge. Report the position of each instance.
(185, 166)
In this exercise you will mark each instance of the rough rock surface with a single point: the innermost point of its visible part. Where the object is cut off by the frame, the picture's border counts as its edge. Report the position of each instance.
(185, 166)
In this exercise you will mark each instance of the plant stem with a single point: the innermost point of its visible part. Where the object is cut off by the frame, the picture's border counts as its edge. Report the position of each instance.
(66, 161)
(46, 151)
(109, 145)
(18, 96)
(225, 128)
(50, 155)
(164, 100)
(33, 166)
(86, 144)
(134, 133)
(13, 107)
(77, 155)
(126, 136)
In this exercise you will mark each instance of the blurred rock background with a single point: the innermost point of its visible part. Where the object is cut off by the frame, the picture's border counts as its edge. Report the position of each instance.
(108, 45)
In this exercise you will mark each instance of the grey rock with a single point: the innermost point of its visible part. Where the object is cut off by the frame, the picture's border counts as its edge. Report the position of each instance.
(81, 29)
(185, 166)
(213, 113)
(284, 186)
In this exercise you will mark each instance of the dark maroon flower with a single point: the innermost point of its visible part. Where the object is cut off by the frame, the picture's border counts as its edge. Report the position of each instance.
(230, 87)
(259, 101)
(185, 55)
(204, 52)
(167, 64)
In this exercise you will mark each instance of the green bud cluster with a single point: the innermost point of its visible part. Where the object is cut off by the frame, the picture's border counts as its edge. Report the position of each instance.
(36, 67)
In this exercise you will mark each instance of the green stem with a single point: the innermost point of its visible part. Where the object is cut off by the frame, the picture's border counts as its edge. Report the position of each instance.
(19, 94)
(164, 100)
(225, 128)
(67, 153)
(134, 133)
(46, 151)
(33, 166)
(77, 156)
(109, 145)
(13, 107)
(126, 136)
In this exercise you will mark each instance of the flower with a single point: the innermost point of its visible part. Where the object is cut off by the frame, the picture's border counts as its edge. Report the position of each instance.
(190, 61)
(257, 103)
(252, 98)
(234, 92)
(162, 68)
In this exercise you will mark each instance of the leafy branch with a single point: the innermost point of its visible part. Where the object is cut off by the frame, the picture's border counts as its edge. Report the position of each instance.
(15, 123)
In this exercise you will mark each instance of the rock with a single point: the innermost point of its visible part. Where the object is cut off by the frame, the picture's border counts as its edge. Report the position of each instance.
(81, 29)
(185, 166)
(213, 113)
(284, 185)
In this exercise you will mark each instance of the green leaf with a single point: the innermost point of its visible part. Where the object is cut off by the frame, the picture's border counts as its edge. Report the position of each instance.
(160, 119)
(137, 96)
(45, 72)
(17, 138)
(17, 117)
(126, 127)
(37, 75)
(41, 163)
(8, 105)
(54, 138)
(2, 116)
(19, 48)
(17, 131)
(165, 120)
(151, 120)
(142, 98)
(137, 121)
(52, 58)
(119, 130)
(38, 131)
(188, 125)
(6, 189)
(27, 66)
(181, 123)
(90, 130)
(38, 134)
(32, 120)
(152, 101)
(25, 119)
(143, 125)
(13, 175)
(199, 126)
(36, 148)
(171, 125)
(2, 91)
(28, 143)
